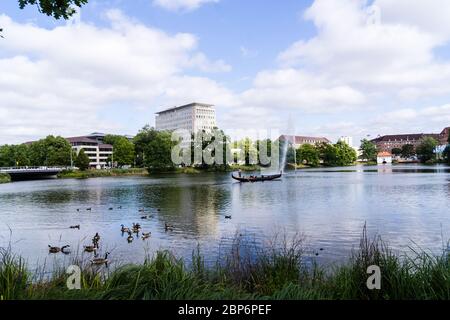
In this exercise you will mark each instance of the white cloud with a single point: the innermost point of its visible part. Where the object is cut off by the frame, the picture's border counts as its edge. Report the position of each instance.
(65, 80)
(182, 5)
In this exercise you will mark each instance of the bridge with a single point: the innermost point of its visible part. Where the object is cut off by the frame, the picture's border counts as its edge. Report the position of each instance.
(27, 173)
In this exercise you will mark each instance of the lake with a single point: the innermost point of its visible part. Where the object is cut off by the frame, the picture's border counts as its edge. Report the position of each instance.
(405, 204)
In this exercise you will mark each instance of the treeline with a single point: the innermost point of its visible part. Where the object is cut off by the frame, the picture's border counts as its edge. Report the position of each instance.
(426, 151)
(51, 151)
(153, 150)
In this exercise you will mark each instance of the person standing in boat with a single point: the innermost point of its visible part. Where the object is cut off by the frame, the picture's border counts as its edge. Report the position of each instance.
(240, 173)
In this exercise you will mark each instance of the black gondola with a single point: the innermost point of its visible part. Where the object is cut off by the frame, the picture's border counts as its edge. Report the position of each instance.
(257, 178)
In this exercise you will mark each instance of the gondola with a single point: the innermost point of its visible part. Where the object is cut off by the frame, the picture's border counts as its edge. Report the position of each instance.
(257, 179)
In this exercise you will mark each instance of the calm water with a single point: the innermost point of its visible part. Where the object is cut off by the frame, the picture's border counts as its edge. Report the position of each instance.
(404, 204)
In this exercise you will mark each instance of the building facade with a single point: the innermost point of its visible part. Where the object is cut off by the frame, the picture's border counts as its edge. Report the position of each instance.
(389, 142)
(193, 117)
(298, 141)
(384, 157)
(97, 151)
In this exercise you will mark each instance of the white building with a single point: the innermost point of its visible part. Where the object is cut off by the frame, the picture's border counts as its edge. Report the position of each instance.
(384, 158)
(193, 117)
(347, 140)
(97, 151)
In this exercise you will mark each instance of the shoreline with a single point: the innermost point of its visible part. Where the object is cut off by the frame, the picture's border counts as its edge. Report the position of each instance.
(280, 271)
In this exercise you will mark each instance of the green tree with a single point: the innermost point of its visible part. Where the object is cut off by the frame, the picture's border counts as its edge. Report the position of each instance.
(82, 160)
(55, 8)
(408, 151)
(446, 154)
(51, 151)
(426, 149)
(397, 152)
(154, 149)
(369, 150)
(123, 149)
(345, 155)
(308, 154)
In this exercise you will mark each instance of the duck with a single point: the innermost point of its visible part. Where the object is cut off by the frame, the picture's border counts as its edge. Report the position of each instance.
(75, 227)
(228, 217)
(119, 207)
(89, 209)
(53, 249)
(96, 237)
(144, 217)
(142, 210)
(99, 261)
(168, 227)
(147, 235)
(111, 208)
(124, 229)
(65, 249)
(78, 210)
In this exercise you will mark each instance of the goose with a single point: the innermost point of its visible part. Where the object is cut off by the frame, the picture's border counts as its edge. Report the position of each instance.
(124, 229)
(96, 237)
(130, 237)
(111, 208)
(99, 261)
(145, 236)
(65, 249)
(228, 217)
(75, 227)
(89, 209)
(144, 217)
(90, 248)
(168, 227)
(78, 210)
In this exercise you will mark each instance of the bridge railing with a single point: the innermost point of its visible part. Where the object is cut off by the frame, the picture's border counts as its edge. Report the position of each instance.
(33, 168)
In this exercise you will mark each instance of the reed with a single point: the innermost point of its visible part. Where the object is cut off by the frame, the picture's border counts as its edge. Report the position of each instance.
(280, 269)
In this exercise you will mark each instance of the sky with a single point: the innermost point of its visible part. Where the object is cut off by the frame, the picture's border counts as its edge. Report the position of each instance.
(311, 67)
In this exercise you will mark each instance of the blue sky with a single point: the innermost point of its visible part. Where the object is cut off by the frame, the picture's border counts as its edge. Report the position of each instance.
(329, 67)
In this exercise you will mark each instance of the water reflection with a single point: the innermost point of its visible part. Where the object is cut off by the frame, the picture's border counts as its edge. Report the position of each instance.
(328, 206)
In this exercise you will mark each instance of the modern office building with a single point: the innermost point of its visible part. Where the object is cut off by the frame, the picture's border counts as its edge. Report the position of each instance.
(298, 141)
(97, 151)
(389, 142)
(193, 117)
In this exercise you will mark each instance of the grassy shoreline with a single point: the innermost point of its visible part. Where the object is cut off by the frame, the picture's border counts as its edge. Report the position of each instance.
(4, 178)
(276, 272)
(102, 173)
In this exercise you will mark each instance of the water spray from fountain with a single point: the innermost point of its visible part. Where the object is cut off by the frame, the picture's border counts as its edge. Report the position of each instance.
(290, 134)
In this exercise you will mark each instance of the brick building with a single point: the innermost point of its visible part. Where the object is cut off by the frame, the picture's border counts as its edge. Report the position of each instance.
(389, 142)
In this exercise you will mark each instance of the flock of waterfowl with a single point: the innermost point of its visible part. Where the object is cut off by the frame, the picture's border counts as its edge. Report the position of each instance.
(136, 229)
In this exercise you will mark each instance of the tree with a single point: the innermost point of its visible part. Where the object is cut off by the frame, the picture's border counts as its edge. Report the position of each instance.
(308, 154)
(155, 149)
(123, 149)
(51, 151)
(345, 155)
(368, 149)
(446, 154)
(82, 160)
(397, 152)
(426, 149)
(55, 8)
(408, 151)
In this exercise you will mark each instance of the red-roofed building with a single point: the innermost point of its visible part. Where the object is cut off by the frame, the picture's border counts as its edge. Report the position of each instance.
(389, 142)
(384, 157)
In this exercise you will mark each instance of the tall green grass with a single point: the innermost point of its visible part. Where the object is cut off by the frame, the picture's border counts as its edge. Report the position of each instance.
(280, 270)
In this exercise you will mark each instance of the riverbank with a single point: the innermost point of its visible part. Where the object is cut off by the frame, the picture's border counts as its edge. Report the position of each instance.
(4, 178)
(277, 272)
(75, 174)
